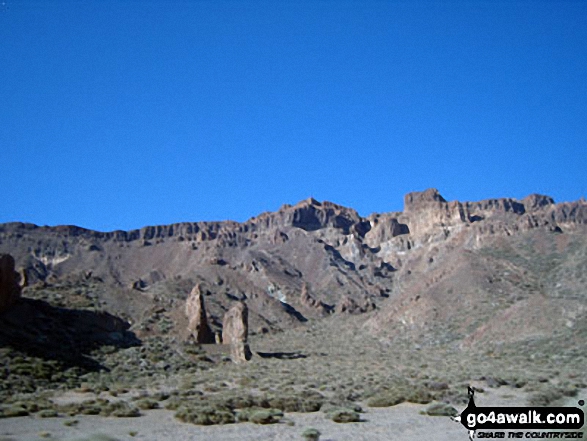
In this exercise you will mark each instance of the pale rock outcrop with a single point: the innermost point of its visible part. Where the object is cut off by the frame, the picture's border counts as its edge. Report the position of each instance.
(240, 352)
(235, 326)
(235, 332)
(428, 215)
(198, 321)
(9, 283)
(417, 200)
(312, 215)
(384, 227)
(23, 280)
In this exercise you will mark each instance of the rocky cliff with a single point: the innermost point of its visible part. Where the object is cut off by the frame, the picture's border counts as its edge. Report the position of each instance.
(314, 259)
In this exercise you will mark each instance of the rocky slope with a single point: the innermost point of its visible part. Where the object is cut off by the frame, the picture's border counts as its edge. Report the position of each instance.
(467, 272)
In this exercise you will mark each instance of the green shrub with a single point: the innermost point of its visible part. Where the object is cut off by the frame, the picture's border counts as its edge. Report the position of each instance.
(343, 416)
(48, 413)
(242, 402)
(387, 399)
(120, 409)
(545, 397)
(311, 434)
(418, 395)
(329, 407)
(147, 403)
(161, 396)
(205, 415)
(441, 409)
(174, 403)
(14, 411)
(411, 393)
(266, 416)
(88, 407)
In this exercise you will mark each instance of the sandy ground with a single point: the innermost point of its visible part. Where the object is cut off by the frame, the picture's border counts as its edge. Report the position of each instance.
(398, 423)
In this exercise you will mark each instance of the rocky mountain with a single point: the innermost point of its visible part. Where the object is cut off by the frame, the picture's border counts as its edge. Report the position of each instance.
(498, 270)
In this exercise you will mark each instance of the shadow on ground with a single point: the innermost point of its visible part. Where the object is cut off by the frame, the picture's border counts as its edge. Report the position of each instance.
(36, 328)
(282, 355)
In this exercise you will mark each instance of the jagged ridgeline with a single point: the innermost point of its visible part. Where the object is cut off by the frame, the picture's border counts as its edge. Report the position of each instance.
(467, 272)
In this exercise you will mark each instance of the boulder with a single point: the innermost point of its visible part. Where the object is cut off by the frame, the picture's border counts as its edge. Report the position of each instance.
(198, 320)
(9, 283)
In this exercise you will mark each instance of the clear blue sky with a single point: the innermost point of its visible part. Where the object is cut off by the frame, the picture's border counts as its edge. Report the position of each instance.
(121, 114)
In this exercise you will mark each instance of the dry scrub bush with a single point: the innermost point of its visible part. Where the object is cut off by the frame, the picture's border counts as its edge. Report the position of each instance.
(205, 415)
(343, 416)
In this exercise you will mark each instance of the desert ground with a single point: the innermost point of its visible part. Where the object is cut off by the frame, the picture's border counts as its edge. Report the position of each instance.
(404, 422)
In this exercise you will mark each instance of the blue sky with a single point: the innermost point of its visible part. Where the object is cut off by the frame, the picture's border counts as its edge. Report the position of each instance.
(121, 114)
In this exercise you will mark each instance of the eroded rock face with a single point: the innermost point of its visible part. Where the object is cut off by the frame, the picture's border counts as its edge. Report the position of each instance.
(9, 283)
(198, 320)
(383, 229)
(310, 302)
(420, 199)
(268, 258)
(536, 201)
(235, 332)
(350, 306)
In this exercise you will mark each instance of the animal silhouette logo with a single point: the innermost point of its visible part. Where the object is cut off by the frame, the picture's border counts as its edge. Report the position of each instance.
(468, 410)
(474, 418)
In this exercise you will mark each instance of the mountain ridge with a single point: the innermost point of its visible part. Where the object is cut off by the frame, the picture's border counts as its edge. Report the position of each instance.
(417, 198)
(303, 261)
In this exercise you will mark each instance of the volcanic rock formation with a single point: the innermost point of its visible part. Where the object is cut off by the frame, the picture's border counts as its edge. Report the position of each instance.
(198, 321)
(450, 266)
(235, 332)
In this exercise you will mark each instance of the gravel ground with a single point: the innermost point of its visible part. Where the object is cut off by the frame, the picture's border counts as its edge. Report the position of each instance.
(399, 423)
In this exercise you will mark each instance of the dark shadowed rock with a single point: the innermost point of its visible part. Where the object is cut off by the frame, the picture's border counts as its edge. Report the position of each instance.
(198, 321)
(40, 329)
(9, 283)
